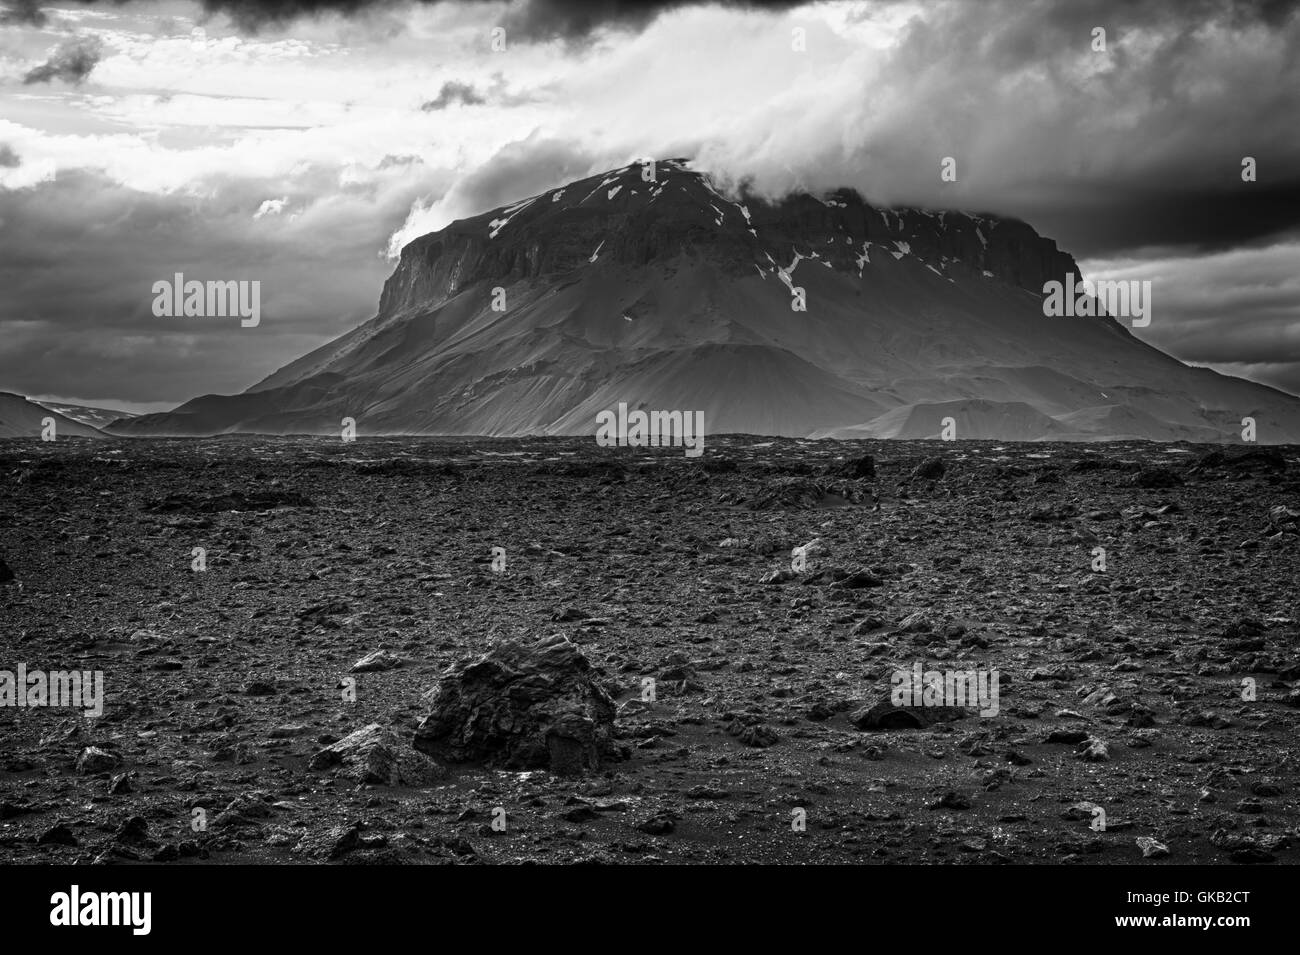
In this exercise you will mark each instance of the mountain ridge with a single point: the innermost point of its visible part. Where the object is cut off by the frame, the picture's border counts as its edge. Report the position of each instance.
(654, 288)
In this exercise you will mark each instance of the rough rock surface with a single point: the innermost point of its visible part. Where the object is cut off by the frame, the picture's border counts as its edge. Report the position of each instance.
(374, 754)
(881, 713)
(523, 704)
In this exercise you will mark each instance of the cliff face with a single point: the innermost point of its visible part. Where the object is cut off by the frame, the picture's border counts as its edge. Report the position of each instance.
(662, 293)
(631, 221)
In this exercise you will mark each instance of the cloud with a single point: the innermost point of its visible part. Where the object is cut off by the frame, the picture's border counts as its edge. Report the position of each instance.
(8, 158)
(22, 12)
(79, 255)
(1236, 311)
(1139, 145)
(578, 19)
(530, 20)
(71, 62)
(523, 168)
(271, 207)
(454, 91)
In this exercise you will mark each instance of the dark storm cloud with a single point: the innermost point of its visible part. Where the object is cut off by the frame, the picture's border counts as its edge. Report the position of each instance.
(27, 12)
(575, 19)
(1107, 152)
(72, 62)
(454, 91)
(8, 158)
(77, 309)
(1180, 183)
(530, 19)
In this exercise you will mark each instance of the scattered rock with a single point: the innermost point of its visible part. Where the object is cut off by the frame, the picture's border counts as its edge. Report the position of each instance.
(232, 501)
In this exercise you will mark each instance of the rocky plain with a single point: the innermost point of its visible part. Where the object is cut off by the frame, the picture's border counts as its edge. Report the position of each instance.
(423, 651)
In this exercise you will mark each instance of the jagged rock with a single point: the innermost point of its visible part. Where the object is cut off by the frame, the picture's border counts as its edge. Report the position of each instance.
(931, 469)
(858, 580)
(858, 468)
(255, 687)
(758, 735)
(660, 824)
(1094, 750)
(134, 831)
(246, 809)
(524, 704)
(883, 714)
(952, 799)
(376, 755)
(378, 661)
(1151, 849)
(57, 835)
(1241, 460)
(96, 760)
(801, 493)
(569, 614)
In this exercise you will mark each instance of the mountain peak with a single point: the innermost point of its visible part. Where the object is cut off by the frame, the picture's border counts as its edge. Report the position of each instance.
(643, 212)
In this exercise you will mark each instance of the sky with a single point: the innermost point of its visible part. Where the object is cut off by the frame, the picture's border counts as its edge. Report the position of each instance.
(301, 144)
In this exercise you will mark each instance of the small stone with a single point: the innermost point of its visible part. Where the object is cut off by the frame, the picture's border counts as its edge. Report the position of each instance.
(96, 760)
(1094, 750)
(378, 661)
(1151, 849)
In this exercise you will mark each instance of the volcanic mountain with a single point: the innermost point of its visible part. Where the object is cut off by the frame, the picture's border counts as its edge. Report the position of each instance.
(807, 316)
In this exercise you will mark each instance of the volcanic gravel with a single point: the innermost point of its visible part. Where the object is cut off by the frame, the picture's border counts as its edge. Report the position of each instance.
(1126, 690)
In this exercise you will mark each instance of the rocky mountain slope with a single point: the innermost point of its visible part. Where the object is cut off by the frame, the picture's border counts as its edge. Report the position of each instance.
(20, 418)
(87, 414)
(665, 294)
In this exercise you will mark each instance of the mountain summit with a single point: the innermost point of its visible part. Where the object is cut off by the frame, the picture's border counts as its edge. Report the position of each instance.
(808, 316)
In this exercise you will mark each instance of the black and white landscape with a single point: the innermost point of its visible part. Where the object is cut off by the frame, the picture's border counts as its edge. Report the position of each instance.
(466, 432)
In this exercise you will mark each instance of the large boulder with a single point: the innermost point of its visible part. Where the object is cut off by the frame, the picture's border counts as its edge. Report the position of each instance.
(523, 705)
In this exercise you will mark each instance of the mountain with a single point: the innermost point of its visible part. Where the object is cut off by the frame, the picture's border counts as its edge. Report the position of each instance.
(86, 414)
(666, 294)
(20, 418)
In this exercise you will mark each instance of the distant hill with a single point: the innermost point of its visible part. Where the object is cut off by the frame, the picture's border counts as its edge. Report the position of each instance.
(87, 415)
(20, 418)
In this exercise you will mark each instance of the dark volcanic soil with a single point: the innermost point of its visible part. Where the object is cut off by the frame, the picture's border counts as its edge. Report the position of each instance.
(222, 684)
